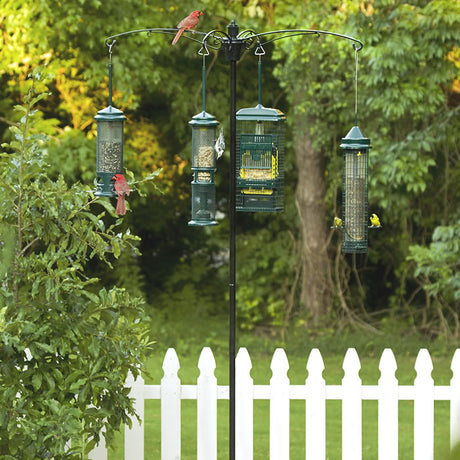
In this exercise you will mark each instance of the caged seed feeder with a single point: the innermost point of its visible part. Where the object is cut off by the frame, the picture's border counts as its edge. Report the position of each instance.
(109, 157)
(203, 162)
(260, 159)
(354, 194)
(260, 156)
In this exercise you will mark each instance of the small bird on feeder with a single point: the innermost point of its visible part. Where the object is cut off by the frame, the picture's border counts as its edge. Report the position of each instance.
(375, 221)
(220, 144)
(122, 189)
(337, 222)
(190, 22)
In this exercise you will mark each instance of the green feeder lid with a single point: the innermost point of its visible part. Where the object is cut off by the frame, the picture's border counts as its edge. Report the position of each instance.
(110, 114)
(260, 113)
(355, 140)
(203, 119)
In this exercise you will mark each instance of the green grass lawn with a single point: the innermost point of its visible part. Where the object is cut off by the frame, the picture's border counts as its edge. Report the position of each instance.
(261, 373)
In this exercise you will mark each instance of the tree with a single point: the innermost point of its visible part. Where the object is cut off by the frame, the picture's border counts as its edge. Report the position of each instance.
(314, 109)
(408, 108)
(410, 88)
(66, 344)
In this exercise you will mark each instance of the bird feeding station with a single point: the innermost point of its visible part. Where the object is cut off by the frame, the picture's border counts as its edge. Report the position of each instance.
(354, 192)
(256, 159)
(260, 156)
(109, 157)
(203, 161)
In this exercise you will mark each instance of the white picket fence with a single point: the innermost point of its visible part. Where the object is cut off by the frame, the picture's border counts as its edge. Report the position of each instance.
(279, 392)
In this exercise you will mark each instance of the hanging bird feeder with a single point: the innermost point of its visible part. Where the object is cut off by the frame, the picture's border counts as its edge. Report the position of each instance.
(109, 157)
(109, 149)
(354, 193)
(203, 163)
(260, 156)
(354, 222)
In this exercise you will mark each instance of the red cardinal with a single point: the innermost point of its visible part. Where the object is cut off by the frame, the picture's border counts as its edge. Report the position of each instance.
(190, 22)
(122, 189)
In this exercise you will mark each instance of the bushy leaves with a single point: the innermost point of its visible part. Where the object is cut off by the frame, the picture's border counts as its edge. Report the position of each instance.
(436, 268)
(66, 344)
(409, 95)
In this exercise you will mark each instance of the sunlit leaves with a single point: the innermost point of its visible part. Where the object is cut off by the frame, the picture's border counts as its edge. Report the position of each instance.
(66, 344)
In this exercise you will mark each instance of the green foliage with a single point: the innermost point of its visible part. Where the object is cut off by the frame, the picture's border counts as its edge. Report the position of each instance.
(439, 262)
(66, 344)
(436, 268)
(408, 106)
(265, 269)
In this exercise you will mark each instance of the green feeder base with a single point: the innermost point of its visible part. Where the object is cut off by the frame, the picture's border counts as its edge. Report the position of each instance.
(258, 203)
(105, 185)
(354, 247)
(202, 223)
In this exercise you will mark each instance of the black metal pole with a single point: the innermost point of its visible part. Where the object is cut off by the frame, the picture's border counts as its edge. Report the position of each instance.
(233, 48)
(232, 262)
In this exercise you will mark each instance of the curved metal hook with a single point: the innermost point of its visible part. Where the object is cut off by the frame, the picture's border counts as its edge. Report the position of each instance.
(218, 36)
(247, 33)
(249, 37)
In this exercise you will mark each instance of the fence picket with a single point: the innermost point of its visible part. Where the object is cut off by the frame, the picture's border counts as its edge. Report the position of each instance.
(279, 406)
(455, 400)
(315, 408)
(423, 407)
(388, 407)
(134, 436)
(207, 407)
(100, 451)
(244, 408)
(279, 392)
(170, 408)
(351, 407)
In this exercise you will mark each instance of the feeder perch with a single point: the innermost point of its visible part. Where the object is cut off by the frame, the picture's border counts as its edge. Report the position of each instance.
(354, 194)
(260, 159)
(109, 149)
(203, 169)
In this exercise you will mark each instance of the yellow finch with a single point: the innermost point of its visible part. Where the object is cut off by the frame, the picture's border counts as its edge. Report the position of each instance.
(337, 222)
(375, 221)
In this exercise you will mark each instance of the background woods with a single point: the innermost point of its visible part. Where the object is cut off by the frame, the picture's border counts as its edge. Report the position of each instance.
(290, 268)
(77, 284)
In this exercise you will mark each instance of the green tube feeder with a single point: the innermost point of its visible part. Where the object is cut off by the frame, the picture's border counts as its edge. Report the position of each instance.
(109, 157)
(203, 169)
(109, 149)
(355, 191)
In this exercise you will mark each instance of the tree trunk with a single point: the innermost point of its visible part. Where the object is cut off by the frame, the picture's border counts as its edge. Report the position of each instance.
(310, 196)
